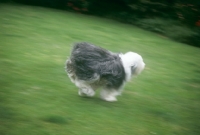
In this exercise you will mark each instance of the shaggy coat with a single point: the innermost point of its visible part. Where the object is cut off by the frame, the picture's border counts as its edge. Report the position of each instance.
(90, 67)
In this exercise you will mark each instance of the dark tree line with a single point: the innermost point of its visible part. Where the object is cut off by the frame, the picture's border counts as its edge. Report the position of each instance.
(187, 11)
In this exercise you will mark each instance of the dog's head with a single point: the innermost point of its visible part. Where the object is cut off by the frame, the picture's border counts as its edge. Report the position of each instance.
(133, 64)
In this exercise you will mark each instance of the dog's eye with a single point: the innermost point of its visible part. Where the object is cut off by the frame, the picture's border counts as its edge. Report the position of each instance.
(133, 69)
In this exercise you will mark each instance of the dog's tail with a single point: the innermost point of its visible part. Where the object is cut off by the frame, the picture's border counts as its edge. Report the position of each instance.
(70, 70)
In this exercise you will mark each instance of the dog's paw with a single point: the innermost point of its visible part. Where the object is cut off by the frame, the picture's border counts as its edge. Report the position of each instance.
(86, 92)
(90, 94)
(109, 98)
(80, 93)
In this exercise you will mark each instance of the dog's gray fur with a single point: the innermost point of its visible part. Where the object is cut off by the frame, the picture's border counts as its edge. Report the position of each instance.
(90, 63)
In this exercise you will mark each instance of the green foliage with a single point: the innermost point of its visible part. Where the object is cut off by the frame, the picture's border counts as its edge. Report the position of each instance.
(155, 24)
(172, 29)
(179, 33)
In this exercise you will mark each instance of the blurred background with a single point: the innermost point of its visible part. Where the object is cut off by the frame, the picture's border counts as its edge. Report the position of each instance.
(176, 19)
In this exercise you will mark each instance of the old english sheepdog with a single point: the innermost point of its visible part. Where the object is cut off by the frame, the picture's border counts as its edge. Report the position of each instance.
(90, 67)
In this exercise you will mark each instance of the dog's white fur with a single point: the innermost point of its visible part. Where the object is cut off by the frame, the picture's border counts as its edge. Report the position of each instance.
(132, 59)
(87, 88)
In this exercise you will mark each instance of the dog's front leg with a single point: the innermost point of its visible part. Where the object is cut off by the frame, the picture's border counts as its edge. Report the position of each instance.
(86, 92)
(109, 95)
(84, 88)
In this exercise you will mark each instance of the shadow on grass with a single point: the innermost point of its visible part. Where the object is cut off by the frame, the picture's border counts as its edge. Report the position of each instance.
(6, 116)
(57, 119)
(7, 113)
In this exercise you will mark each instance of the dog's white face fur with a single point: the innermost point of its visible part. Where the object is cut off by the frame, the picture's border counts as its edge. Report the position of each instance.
(133, 64)
(91, 67)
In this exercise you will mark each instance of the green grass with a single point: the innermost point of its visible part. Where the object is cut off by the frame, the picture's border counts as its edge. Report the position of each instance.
(37, 97)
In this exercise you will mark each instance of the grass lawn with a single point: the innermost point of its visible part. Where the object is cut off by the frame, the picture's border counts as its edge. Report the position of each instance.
(37, 97)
